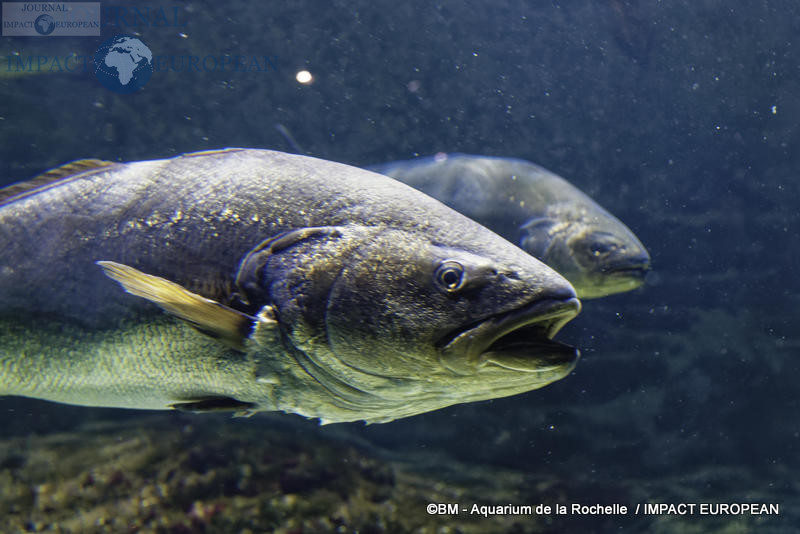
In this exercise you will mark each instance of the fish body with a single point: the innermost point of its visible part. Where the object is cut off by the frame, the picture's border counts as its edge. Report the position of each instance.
(250, 280)
(541, 212)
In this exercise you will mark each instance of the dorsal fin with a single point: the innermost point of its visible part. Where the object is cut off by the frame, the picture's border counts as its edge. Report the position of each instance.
(212, 152)
(49, 178)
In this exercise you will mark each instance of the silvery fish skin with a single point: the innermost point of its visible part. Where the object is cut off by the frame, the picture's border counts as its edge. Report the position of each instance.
(250, 280)
(541, 212)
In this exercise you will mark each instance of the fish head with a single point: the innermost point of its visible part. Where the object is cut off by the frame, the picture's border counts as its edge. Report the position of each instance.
(591, 248)
(419, 324)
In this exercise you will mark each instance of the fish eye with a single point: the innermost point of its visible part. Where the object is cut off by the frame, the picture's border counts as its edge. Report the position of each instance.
(599, 249)
(450, 276)
(600, 244)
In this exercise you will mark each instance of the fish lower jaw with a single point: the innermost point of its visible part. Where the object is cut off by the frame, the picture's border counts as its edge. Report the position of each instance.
(534, 324)
(611, 283)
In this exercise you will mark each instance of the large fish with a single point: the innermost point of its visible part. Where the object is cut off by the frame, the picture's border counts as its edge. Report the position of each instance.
(250, 280)
(538, 210)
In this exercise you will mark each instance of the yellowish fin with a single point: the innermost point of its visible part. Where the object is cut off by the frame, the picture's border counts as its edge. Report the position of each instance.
(208, 316)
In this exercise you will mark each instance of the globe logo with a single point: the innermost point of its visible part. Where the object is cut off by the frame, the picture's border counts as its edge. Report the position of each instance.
(44, 24)
(123, 64)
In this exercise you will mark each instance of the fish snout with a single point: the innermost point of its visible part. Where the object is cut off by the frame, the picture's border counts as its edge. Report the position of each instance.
(630, 266)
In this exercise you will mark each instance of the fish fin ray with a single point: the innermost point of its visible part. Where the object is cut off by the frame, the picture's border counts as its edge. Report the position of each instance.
(68, 171)
(208, 316)
(212, 152)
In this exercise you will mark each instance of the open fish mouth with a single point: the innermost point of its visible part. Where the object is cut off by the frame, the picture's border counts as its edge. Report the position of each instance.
(519, 340)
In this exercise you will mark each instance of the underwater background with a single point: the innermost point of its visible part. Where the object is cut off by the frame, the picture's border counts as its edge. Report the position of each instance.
(681, 118)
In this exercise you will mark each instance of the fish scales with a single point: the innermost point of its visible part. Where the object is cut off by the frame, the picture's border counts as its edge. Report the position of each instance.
(249, 280)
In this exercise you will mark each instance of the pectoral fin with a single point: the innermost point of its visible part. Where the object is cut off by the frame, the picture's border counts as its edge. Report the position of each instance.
(208, 316)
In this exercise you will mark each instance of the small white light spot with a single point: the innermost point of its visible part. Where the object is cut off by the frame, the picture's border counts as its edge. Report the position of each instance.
(774, 110)
(183, 36)
(304, 77)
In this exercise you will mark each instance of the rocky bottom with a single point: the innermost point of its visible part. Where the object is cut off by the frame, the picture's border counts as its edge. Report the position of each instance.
(178, 474)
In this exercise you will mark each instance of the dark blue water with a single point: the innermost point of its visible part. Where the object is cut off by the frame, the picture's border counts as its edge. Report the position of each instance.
(679, 117)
